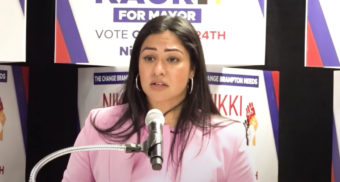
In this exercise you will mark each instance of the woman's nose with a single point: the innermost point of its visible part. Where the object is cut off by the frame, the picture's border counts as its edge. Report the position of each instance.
(159, 68)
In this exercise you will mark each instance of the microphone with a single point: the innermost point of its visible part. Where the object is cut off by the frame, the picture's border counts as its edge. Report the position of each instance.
(153, 145)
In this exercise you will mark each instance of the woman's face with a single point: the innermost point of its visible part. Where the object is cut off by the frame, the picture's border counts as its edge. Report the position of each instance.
(164, 70)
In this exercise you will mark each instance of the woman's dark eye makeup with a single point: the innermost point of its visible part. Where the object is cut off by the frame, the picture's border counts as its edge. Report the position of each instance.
(173, 59)
(149, 58)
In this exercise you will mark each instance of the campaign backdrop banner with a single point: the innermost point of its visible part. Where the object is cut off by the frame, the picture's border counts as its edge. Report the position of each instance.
(102, 32)
(322, 36)
(13, 109)
(250, 96)
(12, 31)
(336, 128)
(99, 87)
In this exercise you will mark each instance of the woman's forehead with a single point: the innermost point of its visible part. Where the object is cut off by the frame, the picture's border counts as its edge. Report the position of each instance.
(166, 40)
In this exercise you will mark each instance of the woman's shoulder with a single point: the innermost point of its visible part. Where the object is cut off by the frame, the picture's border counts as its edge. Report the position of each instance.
(105, 117)
(228, 128)
(109, 111)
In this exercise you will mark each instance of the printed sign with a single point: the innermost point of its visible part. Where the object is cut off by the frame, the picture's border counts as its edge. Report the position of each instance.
(99, 87)
(12, 31)
(13, 122)
(102, 32)
(251, 96)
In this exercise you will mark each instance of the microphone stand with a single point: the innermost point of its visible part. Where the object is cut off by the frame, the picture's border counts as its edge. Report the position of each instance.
(148, 147)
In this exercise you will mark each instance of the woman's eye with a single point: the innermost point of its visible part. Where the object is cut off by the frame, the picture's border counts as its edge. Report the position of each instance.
(149, 58)
(173, 59)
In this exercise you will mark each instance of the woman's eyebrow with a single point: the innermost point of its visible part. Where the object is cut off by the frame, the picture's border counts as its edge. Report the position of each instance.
(172, 49)
(149, 48)
(165, 50)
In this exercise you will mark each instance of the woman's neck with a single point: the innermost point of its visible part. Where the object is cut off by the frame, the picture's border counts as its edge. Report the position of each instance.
(171, 117)
(171, 114)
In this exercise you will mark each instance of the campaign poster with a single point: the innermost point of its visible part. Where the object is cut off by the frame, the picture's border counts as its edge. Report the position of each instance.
(249, 96)
(12, 31)
(13, 109)
(102, 32)
(322, 34)
(99, 87)
(336, 128)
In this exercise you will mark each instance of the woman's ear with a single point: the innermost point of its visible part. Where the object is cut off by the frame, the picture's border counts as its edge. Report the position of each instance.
(192, 72)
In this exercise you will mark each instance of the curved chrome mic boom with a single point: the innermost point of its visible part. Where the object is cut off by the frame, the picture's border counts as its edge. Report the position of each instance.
(117, 147)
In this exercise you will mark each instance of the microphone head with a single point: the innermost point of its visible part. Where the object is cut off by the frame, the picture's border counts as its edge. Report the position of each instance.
(154, 115)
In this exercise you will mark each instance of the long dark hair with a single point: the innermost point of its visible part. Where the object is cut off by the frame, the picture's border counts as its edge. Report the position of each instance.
(197, 106)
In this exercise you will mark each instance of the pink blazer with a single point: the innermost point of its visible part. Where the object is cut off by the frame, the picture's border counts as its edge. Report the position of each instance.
(224, 157)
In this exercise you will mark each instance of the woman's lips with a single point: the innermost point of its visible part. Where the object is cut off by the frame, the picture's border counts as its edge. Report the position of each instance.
(158, 85)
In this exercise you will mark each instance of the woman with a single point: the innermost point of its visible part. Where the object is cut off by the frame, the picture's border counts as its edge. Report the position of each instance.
(167, 71)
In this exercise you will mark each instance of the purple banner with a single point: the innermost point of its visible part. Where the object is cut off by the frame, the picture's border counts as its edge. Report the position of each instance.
(233, 79)
(109, 78)
(22, 5)
(321, 34)
(146, 14)
(272, 103)
(261, 2)
(70, 32)
(22, 104)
